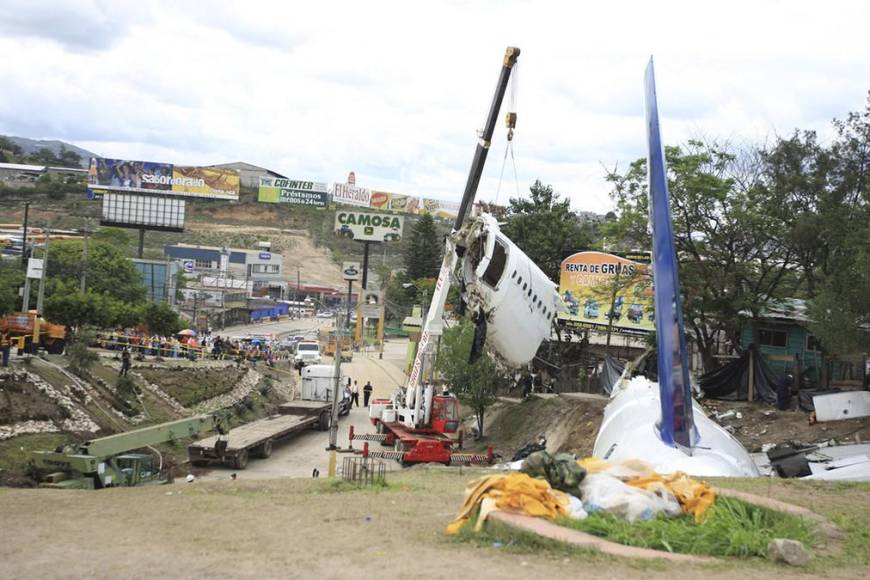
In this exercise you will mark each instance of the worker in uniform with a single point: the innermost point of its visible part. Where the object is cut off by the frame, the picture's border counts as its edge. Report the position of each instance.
(5, 345)
(367, 393)
(125, 362)
(354, 394)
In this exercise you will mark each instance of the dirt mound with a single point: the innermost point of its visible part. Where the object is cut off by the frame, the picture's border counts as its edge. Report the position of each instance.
(20, 400)
(570, 424)
(190, 386)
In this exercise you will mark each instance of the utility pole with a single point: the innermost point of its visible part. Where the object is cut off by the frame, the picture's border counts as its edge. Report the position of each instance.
(85, 257)
(336, 385)
(41, 293)
(24, 237)
(349, 290)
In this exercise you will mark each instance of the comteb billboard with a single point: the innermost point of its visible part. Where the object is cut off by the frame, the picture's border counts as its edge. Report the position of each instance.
(126, 176)
(369, 227)
(597, 287)
(293, 191)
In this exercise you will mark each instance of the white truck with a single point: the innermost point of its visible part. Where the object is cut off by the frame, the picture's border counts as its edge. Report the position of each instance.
(307, 353)
(317, 385)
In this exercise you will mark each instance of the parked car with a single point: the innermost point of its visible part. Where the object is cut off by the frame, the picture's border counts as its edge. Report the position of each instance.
(325, 314)
(307, 353)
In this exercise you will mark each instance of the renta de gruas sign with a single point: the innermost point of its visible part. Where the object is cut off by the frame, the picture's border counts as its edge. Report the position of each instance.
(369, 227)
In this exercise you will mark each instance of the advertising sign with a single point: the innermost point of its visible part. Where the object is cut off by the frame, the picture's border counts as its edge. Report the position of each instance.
(346, 194)
(597, 287)
(134, 210)
(380, 200)
(351, 271)
(294, 191)
(439, 208)
(404, 203)
(369, 227)
(187, 266)
(162, 178)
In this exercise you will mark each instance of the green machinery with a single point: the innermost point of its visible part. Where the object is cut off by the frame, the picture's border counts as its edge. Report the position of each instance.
(108, 461)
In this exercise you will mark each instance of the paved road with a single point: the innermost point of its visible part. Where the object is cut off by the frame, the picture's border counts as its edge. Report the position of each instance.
(300, 454)
(304, 326)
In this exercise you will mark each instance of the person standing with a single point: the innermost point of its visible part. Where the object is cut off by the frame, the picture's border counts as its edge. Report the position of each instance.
(367, 393)
(125, 362)
(5, 345)
(354, 394)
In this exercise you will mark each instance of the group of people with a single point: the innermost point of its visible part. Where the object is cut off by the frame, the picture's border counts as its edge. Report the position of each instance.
(215, 347)
(351, 391)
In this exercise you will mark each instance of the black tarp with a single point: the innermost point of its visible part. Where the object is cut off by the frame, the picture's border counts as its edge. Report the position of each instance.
(731, 382)
(611, 370)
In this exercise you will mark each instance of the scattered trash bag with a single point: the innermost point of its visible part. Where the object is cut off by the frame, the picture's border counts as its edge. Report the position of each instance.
(530, 448)
(575, 508)
(560, 470)
(602, 492)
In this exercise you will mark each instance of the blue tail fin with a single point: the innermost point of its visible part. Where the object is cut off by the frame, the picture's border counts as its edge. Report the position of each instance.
(677, 426)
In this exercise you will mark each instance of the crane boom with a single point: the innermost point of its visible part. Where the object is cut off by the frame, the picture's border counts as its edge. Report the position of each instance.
(411, 413)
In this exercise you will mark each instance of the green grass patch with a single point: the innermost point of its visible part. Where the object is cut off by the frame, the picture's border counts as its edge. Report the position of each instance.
(337, 485)
(732, 528)
(15, 452)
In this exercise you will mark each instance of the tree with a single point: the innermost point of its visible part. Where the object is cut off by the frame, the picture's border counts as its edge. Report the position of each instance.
(423, 252)
(544, 227)
(161, 319)
(110, 272)
(731, 255)
(475, 384)
(11, 279)
(822, 195)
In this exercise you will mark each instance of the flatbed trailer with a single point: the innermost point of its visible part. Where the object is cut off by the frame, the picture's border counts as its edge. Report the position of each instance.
(258, 437)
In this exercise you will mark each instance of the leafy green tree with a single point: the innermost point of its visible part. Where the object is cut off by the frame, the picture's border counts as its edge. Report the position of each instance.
(161, 319)
(11, 279)
(545, 228)
(475, 384)
(731, 255)
(109, 271)
(821, 193)
(424, 251)
(69, 306)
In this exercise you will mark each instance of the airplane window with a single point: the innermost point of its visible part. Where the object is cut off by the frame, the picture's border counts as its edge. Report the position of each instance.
(519, 280)
(497, 263)
(514, 275)
(525, 286)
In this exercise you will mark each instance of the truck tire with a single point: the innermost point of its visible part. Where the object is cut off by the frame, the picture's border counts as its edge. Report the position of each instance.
(240, 461)
(264, 451)
(323, 423)
(55, 347)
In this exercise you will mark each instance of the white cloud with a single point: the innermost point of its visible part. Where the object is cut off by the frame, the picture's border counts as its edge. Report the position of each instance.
(396, 90)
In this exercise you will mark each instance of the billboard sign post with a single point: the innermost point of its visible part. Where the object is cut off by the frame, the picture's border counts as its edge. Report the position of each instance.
(292, 191)
(602, 290)
(369, 227)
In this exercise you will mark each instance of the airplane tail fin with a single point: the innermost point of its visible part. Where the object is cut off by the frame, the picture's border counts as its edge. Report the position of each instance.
(676, 426)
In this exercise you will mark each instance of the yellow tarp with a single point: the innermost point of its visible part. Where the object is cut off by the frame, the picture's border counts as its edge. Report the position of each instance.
(515, 492)
(695, 497)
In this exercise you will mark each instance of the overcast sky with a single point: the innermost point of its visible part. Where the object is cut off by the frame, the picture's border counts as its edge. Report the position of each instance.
(396, 90)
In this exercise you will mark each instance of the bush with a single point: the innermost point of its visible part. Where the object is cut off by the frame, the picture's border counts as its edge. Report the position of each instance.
(81, 359)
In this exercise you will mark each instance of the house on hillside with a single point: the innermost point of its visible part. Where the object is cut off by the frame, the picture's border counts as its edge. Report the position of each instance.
(785, 340)
(249, 174)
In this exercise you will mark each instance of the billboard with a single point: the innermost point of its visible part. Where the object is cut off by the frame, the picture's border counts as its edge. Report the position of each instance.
(346, 194)
(294, 191)
(161, 178)
(142, 211)
(369, 227)
(404, 203)
(597, 287)
(351, 271)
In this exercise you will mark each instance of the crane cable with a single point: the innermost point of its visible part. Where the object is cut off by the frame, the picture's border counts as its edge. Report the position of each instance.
(510, 121)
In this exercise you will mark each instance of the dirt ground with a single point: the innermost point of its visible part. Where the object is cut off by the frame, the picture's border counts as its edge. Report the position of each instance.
(307, 528)
(762, 424)
(315, 264)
